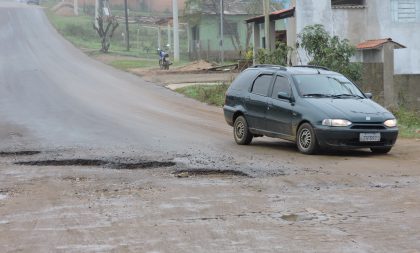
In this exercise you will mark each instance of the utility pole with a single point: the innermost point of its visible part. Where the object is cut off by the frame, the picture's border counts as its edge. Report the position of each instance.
(176, 30)
(127, 37)
(76, 7)
(222, 53)
(96, 13)
(266, 6)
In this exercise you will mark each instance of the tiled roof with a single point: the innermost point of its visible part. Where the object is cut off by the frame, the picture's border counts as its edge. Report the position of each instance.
(373, 44)
(280, 14)
(231, 7)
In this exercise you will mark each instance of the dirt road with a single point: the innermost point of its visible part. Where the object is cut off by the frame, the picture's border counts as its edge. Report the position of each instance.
(116, 164)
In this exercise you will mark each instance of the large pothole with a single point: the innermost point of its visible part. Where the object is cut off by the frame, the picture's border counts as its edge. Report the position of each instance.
(209, 172)
(100, 163)
(19, 153)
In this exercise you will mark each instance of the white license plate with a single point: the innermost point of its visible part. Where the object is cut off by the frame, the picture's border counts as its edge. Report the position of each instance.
(370, 137)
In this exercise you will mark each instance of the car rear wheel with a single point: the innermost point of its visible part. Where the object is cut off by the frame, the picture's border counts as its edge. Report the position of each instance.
(381, 150)
(306, 139)
(241, 132)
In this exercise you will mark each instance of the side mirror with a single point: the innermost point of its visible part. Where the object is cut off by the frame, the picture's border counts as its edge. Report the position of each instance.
(369, 95)
(284, 95)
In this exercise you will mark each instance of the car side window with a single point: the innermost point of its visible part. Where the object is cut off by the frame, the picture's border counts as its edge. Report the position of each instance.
(262, 84)
(281, 85)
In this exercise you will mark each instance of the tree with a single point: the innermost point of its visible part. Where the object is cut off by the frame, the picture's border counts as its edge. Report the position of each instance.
(278, 57)
(106, 27)
(329, 51)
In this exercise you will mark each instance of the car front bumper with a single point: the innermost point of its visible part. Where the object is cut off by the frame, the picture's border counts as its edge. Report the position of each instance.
(329, 137)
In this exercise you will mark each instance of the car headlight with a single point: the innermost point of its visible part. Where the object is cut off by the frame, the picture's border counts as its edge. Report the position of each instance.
(391, 123)
(336, 122)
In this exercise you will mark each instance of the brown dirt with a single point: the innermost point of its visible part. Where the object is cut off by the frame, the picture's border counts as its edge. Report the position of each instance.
(196, 66)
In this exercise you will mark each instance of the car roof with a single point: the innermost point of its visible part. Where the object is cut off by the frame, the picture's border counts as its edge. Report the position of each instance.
(305, 69)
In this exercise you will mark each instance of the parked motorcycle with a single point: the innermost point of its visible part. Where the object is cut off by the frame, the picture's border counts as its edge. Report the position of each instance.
(164, 61)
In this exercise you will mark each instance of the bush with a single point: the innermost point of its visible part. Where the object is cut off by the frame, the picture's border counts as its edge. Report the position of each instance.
(330, 51)
(210, 94)
(408, 122)
(277, 57)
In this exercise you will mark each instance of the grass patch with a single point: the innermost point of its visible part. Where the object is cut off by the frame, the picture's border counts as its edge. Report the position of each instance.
(132, 64)
(210, 94)
(408, 123)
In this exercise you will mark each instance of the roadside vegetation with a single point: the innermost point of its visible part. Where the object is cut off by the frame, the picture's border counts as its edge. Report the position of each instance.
(133, 64)
(210, 94)
(408, 123)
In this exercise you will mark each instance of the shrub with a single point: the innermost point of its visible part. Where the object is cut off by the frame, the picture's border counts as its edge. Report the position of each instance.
(330, 51)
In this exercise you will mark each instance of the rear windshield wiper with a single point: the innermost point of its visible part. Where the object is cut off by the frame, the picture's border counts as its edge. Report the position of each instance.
(346, 96)
(317, 95)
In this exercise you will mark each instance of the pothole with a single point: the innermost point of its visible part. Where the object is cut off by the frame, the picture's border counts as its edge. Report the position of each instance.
(3, 194)
(209, 172)
(75, 179)
(19, 153)
(290, 217)
(100, 163)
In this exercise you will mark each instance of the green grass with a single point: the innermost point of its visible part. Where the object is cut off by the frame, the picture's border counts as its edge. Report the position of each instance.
(210, 94)
(131, 64)
(79, 31)
(408, 123)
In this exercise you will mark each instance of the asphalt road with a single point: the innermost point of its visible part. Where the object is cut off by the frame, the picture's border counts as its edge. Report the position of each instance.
(61, 97)
(56, 100)
(52, 96)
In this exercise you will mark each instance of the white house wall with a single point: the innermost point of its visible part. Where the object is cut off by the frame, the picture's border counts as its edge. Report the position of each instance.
(357, 25)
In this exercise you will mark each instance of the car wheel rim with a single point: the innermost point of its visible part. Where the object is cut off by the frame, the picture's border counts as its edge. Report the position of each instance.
(305, 139)
(240, 129)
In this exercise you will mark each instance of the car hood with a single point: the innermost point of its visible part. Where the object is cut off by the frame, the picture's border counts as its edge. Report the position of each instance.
(355, 110)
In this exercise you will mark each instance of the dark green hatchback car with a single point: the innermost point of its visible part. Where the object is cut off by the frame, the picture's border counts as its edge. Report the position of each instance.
(309, 105)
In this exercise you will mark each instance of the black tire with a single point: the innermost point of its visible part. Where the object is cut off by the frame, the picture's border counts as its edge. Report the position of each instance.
(381, 150)
(241, 132)
(306, 139)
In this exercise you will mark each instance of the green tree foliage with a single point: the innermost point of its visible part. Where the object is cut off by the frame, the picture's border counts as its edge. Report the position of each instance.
(329, 51)
(278, 56)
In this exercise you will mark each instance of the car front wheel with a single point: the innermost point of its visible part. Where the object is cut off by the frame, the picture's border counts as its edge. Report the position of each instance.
(241, 132)
(306, 139)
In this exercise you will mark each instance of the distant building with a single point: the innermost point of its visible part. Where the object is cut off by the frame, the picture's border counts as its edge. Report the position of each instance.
(155, 6)
(204, 25)
(363, 20)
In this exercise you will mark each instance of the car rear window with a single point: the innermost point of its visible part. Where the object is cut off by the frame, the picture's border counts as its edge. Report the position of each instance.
(244, 80)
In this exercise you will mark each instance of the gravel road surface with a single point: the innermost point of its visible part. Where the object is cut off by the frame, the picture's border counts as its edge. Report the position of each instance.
(93, 159)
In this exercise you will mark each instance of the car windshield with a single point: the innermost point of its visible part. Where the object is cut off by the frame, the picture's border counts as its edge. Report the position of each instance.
(335, 86)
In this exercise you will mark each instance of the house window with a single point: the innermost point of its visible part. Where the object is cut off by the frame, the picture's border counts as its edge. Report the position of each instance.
(405, 11)
(347, 3)
(230, 28)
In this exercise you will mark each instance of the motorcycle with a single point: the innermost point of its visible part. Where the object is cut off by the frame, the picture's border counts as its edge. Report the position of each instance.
(164, 61)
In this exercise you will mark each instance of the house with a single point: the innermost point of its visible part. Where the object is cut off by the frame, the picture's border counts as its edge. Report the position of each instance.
(204, 28)
(363, 20)
(155, 6)
(159, 5)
